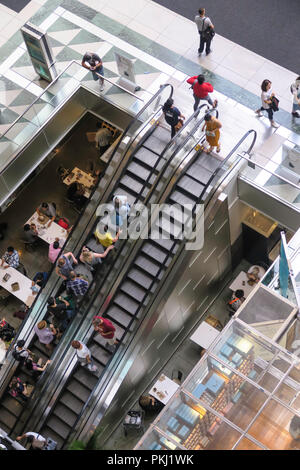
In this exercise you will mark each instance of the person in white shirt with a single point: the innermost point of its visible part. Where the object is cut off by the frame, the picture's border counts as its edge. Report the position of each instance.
(295, 89)
(84, 355)
(266, 100)
(33, 438)
(203, 23)
(103, 138)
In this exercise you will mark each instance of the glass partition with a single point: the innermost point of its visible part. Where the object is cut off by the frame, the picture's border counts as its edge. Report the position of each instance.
(243, 395)
(57, 92)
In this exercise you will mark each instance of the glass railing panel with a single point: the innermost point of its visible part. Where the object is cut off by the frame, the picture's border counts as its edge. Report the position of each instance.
(8, 148)
(282, 186)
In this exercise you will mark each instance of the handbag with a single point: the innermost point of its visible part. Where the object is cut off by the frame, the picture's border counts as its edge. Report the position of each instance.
(178, 125)
(274, 103)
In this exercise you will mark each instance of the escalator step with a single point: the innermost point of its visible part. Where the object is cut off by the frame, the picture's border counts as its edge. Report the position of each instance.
(138, 170)
(140, 278)
(8, 418)
(58, 426)
(65, 414)
(115, 313)
(71, 402)
(4, 426)
(177, 197)
(199, 172)
(190, 186)
(85, 377)
(127, 303)
(147, 265)
(101, 354)
(169, 228)
(80, 391)
(208, 161)
(48, 432)
(154, 252)
(130, 288)
(13, 406)
(132, 184)
(158, 140)
(147, 157)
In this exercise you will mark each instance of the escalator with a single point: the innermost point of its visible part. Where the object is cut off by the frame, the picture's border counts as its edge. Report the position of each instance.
(142, 169)
(140, 282)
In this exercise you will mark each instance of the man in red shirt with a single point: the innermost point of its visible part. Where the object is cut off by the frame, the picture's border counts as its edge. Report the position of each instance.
(201, 90)
(106, 329)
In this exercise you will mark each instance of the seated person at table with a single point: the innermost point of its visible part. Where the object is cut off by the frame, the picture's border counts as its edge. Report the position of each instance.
(48, 209)
(149, 403)
(11, 257)
(77, 285)
(65, 266)
(54, 250)
(60, 311)
(75, 193)
(105, 238)
(253, 277)
(39, 280)
(237, 299)
(30, 233)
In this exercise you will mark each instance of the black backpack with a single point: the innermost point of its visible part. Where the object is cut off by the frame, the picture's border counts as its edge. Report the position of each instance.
(171, 117)
(17, 355)
(7, 333)
(208, 33)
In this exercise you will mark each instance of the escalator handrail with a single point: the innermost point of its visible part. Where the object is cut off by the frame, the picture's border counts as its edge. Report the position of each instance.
(136, 117)
(133, 122)
(228, 156)
(157, 275)
(155, 279)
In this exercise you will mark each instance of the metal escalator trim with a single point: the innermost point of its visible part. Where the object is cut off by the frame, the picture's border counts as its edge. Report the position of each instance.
(128, 327)
(229, 155)
(134, 121)
(174, 260)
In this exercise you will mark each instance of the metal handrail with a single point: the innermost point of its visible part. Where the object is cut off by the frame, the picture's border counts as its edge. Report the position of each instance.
(55, 80)
(132, 123)
(228, 156)
(156, 278)
(195, 114)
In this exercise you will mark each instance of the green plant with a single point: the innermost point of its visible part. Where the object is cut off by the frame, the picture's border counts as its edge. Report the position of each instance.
(77, 445)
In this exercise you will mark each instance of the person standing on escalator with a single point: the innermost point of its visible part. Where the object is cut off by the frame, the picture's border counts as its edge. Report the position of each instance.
(173, 116)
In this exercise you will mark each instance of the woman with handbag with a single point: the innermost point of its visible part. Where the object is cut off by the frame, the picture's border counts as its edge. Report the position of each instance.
(266, 100)
(173, 116)
(212, 128)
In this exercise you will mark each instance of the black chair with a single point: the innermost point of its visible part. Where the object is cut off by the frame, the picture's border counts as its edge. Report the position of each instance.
(134, 420)
(21, 269)
(177, 376)
(29, 246)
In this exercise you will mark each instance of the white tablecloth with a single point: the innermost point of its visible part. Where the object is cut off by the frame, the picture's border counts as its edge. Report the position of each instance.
(81, 177)
(25, 293)
(48, 234)
(164, 389)
(238, 284)
(204, 335)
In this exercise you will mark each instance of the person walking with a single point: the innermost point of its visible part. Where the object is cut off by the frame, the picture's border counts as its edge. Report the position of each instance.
(295, 89)
(93, 62)
(212, 128)
(201, 90)
(61, 312)
(105, 237)
(172, 116)
(107, 330)
(84, 355)
(266, 100)
(205, 30)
